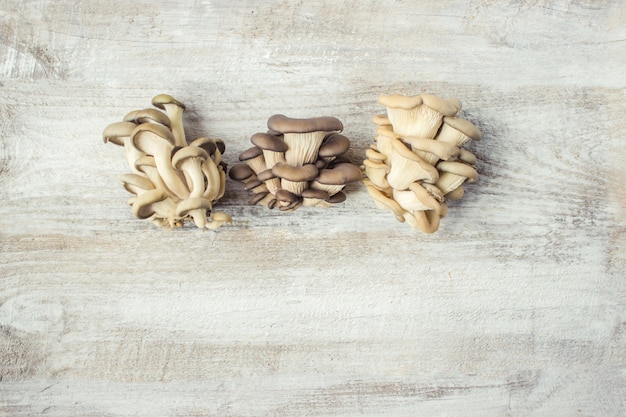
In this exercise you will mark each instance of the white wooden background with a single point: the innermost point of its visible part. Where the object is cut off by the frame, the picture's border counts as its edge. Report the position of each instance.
(515, 307)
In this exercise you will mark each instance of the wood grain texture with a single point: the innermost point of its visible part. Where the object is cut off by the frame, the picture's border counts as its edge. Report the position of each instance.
(516, 307)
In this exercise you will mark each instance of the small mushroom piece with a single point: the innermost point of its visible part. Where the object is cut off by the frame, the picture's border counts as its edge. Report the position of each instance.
(286, 198)
(273, 147)
(426, 220)
(457, 131)
(406, 168)
(454, 174)
(332, 180)
(218, 218)
(375, 156)
(419, 116)
(334, 145)
(174, 110)
(147, 116)
(295, 178)
(254, 158)
(303, 137)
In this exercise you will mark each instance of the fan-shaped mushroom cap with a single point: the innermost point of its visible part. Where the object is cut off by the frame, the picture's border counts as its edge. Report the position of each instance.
(334, 145)
(311, 197)
(304, 173)
(406, 167)
(157, 131)
(208, 144)
(419, 116)
(385, 203)
(454, 174)
(464, 126)
(269, 142)
(194, 203)
(286, 196)
(283, 124)
(136, 184)
(340, 174)
(187, 152)
(338, 197)
(430, 150)
(240, 172)
(144, 205)
(377, 173)
(147, 116)
(254, 158)
(116, 132)
(162, 100)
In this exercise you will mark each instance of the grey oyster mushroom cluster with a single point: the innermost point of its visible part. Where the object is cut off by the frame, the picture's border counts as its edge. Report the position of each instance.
(298, 162)
(172, 181)
(417, 161)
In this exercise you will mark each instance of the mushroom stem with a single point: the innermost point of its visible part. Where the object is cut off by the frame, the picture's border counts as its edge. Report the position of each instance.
(174, 110)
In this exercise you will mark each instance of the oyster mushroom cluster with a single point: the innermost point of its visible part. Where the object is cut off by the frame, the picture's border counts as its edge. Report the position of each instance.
(172, 181)
(417, 161)
(298, 162)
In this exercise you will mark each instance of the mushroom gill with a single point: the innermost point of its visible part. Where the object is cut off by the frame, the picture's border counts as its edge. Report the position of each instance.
(417, 162)
(172, 181)
(300, 163)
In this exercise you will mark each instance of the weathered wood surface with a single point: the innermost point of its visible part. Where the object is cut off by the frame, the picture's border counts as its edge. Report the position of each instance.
(515, 307)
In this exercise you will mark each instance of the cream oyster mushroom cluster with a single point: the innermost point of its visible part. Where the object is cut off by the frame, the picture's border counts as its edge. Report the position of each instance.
(298, 162)
(417, 162)
(172, 181)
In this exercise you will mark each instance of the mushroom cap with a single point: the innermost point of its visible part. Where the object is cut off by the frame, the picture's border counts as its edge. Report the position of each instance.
(257, 197)
(464, 126)
(334, 145)
(133, 182)
(445, 107)
(286, 196)
(185, 206)
(250, 153)
(313, 193)
(253, 184)
(208, 144)
(147, 116)
(266, 175)
(458, 168)
(115, 132)
(142, 205)
(283, 124)
(240, 172)
(340, 174)
(162, 99)
(269, 142)
(338, 197)
(398, 101)
(156, 130)
(187, 152)
(304, 173)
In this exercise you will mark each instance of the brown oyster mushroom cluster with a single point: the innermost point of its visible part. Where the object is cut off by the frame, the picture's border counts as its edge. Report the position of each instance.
(298, 162)
(172, 181)
(417, 161)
